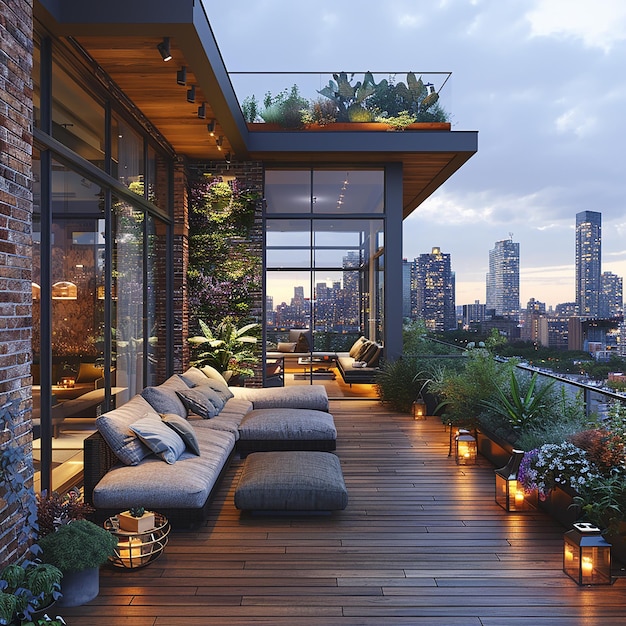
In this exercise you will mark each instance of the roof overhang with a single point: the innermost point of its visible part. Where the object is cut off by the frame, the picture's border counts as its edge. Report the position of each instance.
(122, 37)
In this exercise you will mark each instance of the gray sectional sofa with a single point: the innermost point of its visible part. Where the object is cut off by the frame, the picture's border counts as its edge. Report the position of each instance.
(166, 449)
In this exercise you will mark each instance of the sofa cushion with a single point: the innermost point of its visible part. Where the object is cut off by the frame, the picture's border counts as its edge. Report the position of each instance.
(211, 372)
(372, 356)
(228, 419)
(284, 346)
(165, 442)
(193, 376)
(296, 397)
(222, 389)
(163, 398)
(356, 346)
(115, 428)
(291, 481)
(288, 424)
(198, 401)
(184, 430)
(185, 484)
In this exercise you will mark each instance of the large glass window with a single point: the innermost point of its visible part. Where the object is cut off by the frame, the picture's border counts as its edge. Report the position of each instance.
(322, 272)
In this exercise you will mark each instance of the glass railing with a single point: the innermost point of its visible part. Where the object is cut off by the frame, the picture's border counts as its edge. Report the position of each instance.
(320, 99)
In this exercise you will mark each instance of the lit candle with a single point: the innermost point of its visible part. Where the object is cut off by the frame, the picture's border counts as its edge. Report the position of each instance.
(587, 565)
(130, 552)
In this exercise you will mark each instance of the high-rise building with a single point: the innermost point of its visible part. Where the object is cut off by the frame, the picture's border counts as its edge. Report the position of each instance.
(611, 295)
(406, 288)
(473, 313)
(588, 263)
(503, 279)
(434, 284)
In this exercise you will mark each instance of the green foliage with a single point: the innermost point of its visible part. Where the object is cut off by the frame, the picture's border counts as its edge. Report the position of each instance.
(397, 122)
(462, 392)
(520, 408)
(226, 348)
(603, 501)
(348, 97)
(78, 546)
(26, 588)
(250, 109)
(285, 108)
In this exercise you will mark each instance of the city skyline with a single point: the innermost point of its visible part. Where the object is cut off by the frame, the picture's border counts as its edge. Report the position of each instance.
(542, 82)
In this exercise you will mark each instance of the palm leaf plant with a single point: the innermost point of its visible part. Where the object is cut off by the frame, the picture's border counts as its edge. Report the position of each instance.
(518, 408)
(226, 348)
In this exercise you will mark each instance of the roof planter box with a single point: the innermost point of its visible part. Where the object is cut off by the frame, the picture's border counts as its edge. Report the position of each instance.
(349, 126)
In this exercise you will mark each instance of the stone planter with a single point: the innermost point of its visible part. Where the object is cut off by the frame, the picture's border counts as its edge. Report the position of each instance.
(558, 505)
(78, 588)
(493, 448)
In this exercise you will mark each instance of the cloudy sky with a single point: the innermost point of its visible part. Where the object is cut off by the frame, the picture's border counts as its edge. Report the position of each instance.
(543, 81)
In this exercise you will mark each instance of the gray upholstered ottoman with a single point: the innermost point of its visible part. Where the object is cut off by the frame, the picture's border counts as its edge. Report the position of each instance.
(291, 481)
(263, 430)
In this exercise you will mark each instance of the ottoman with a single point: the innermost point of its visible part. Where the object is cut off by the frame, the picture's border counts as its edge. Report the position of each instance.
(263, 430)
(291, 481)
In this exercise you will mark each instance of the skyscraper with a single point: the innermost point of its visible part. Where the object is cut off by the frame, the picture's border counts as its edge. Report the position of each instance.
(588, 263)
(503, 279)
(435, 290)
(611, 295)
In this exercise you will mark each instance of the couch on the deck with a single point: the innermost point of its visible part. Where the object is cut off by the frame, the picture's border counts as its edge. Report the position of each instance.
(166, 449)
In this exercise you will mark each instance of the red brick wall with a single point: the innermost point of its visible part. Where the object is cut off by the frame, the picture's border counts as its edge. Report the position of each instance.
(16, 112)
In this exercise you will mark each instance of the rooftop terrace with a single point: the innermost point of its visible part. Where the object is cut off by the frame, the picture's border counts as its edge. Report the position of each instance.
(421, 542)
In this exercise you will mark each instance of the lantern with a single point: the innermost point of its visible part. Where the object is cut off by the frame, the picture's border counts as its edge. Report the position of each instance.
(509, 491)
(464, 448)
(419, 409)
(587, 555)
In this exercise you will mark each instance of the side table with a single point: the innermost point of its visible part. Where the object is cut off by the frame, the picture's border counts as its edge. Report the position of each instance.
(139, 549)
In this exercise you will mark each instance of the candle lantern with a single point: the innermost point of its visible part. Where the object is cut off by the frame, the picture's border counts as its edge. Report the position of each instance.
(587, 555)
(464, 448)
(419, 409)
(509, 491)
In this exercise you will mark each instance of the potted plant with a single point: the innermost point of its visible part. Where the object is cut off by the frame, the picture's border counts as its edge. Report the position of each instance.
(227, 348)
(54, 510)
(78, 549)
(27, 591)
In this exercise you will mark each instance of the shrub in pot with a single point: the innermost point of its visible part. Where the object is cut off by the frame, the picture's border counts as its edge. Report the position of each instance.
(78, 549)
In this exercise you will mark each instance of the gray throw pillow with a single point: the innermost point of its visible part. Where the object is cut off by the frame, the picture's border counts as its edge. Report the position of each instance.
(184, 429)
(222, 389)
(164, 399)
(197, 401)
(159, 437)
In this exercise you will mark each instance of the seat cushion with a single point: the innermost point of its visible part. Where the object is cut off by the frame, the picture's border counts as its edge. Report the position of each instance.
(291, 481)
(286, 429)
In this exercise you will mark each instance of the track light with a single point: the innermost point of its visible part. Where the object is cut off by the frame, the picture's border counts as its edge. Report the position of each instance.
(219, 141)
(202, 111)
(181, 75)
(191, 94)
(211, 128)
(227, 157)
(164, 49)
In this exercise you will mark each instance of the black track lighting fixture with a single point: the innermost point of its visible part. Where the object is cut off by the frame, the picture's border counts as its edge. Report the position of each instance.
(181, 75)
(227, 157)
(202, 111)
(211, 127)
(164, 49)
(219, 141)
(191, 94)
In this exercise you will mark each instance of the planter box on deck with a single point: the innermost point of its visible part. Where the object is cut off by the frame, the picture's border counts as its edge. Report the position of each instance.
(132, 524)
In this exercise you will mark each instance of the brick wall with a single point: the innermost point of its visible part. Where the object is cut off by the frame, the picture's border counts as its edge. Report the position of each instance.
(16, 112)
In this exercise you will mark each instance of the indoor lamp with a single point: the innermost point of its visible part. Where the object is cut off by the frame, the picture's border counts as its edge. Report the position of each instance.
(509, 492)
(587, 555)
(464, 448)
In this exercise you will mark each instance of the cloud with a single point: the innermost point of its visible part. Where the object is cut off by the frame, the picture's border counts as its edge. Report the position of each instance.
(599, 24)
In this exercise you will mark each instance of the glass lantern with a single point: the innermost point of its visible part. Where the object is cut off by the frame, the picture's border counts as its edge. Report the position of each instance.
(509, 491)
(419, 409)
(464, 448)
(587, 555)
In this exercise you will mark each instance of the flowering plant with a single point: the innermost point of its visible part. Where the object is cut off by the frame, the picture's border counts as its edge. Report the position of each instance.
(555, 465)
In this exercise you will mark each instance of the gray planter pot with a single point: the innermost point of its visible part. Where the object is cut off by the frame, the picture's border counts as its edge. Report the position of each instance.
(80, 587)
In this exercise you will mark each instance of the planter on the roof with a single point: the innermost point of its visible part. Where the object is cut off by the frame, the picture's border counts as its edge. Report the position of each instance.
(350, 126)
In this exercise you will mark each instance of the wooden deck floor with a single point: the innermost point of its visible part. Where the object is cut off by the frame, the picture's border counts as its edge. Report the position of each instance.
(421, 543)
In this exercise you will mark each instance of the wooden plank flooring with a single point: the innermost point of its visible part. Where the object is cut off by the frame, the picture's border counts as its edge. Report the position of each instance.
(421, 543)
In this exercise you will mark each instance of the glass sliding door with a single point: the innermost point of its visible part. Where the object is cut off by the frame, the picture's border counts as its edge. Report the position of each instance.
(324, 232)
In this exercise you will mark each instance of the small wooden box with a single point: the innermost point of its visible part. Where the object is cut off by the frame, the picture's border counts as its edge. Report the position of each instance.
(132, 524)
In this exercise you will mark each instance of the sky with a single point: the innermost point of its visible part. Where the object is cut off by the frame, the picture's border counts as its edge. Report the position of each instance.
(542, 81)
